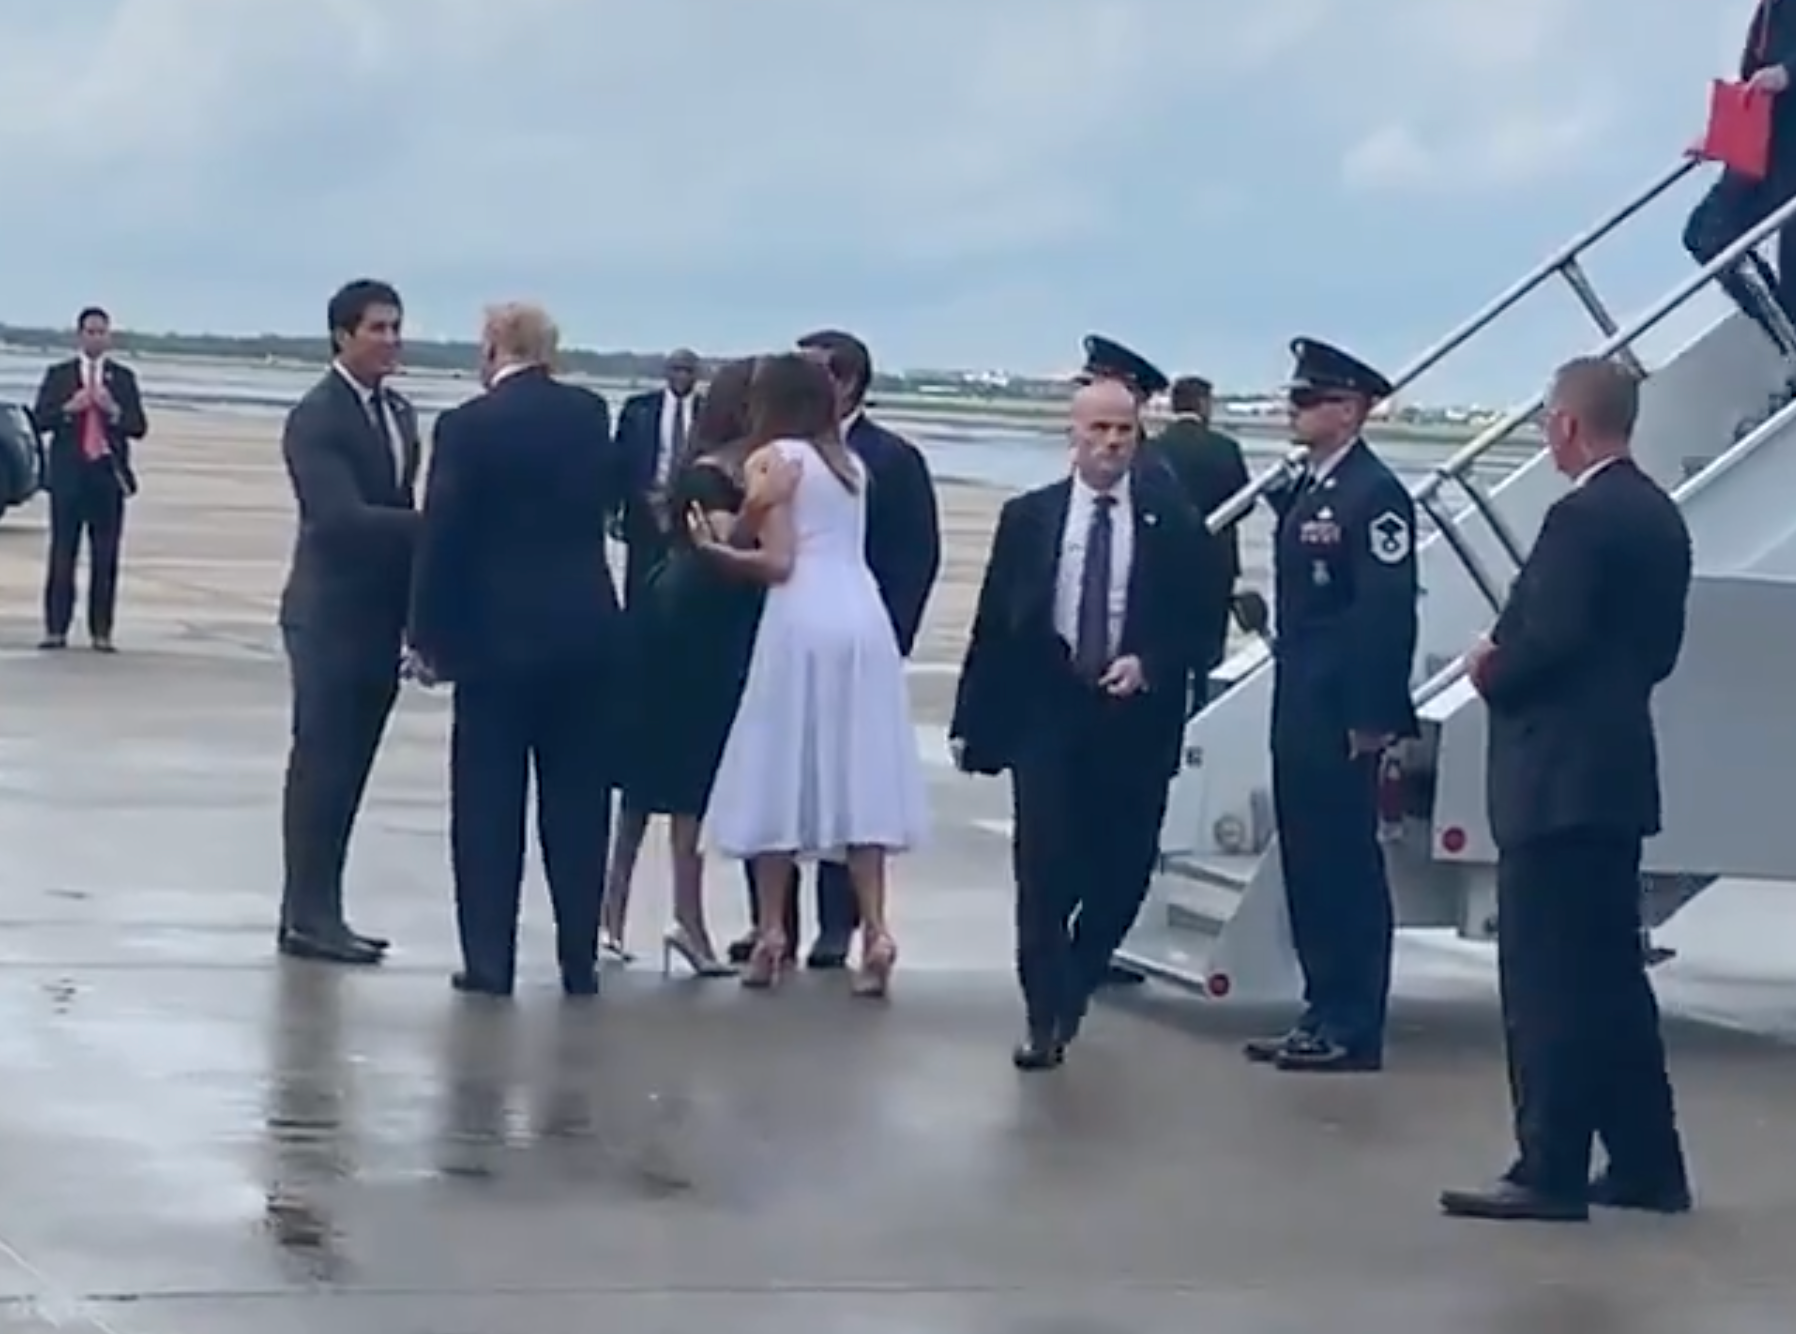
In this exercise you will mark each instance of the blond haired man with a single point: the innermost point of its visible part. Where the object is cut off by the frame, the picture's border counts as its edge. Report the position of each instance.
(513, 604)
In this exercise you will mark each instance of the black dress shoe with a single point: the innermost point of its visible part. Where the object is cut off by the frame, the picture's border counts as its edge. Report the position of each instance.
(380, 943)
(1511, 1203)
(580, 981)
(1609, 1193)
(1310, 1053)
(469, 985)
(51, 643)
(1264, 1051)
(345, 949)
(1038, 1051)
(828, 954)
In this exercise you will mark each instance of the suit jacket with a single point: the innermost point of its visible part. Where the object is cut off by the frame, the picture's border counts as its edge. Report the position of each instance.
(350, 577)
(1017, 680)
(1595, 621)
(1771, 40)
(639, 443)
(511, 573)
(65, 462)
(1209, 468)
(904, 537)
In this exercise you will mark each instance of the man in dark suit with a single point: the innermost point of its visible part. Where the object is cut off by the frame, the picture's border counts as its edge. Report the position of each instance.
(1594, 623)
(513, 603)
(1209, 465)
(1736, 203)
(91, 409)
(1099, 595)
(1210, 469)
(904, 551)
(652, 431)
(351, 448)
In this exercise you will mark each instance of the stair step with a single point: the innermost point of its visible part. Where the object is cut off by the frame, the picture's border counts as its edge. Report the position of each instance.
(1195, 905)
(1218, 869)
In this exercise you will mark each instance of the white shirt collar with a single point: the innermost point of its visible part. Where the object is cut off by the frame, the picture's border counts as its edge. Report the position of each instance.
(852, 420)
(362, 391)
(1087, 494)
(1592, 470)
(505, 373)
(1321, 467)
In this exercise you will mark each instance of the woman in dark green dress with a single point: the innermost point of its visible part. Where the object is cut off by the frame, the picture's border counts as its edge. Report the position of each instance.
(693, 633)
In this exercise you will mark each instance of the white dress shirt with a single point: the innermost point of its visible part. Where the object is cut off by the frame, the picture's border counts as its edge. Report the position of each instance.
(1591, 471)
(674, 408)
(1080, 510)
(377, 410)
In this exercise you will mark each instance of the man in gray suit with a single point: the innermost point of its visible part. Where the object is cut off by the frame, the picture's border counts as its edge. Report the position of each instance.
(351, 448)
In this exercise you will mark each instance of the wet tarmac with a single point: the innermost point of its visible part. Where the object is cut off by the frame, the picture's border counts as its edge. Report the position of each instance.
(196, 1138)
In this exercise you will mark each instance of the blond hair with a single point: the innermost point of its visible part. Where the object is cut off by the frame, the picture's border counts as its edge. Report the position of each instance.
(520, 332)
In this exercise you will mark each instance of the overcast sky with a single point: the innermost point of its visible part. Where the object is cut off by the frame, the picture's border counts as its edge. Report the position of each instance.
(974, 183)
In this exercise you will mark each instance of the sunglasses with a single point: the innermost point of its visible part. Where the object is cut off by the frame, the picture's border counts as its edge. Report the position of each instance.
(1315, 398)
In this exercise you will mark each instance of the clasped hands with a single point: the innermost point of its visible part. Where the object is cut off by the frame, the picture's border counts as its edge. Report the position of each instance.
(96, 397)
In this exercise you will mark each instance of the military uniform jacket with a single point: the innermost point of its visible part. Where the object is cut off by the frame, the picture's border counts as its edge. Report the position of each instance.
(1345, 574)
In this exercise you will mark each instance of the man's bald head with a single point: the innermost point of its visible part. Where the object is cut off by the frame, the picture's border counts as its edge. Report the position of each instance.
(1106, 427)
(1101, 398)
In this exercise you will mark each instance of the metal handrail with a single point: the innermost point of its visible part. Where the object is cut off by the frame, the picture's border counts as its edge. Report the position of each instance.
(1553, 265)
(1500, 430)
(1641, 324)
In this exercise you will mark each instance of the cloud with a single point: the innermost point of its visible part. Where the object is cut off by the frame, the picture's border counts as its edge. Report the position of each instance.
(964, 182)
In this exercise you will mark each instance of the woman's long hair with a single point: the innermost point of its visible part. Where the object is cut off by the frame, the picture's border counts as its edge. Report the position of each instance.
(721, 426)
(791, 397)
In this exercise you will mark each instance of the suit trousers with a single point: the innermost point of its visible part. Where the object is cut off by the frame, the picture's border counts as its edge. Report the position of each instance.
(339, 714)
(555, 723)
(1586, 1058)
(1732, 207)
(89, 503)
(1086, 822)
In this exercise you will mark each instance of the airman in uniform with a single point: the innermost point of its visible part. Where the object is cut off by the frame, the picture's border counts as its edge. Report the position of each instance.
(1345, 578)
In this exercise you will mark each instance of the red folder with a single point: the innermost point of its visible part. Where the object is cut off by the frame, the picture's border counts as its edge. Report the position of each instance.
(1739, 130)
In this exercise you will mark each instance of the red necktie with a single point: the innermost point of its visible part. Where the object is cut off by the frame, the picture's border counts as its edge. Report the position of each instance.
(93, 426)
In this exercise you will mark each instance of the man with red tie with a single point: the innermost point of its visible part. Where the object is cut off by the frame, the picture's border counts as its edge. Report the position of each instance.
(90, 408)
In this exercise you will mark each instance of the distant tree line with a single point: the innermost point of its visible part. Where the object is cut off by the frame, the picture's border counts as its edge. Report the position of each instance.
(420, 354)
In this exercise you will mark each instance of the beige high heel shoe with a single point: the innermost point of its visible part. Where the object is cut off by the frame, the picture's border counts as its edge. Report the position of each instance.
(873, 979)
(767, 962)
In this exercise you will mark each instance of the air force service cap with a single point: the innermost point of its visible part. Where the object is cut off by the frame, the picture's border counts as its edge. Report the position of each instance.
(1324, 369)
(1106, 359)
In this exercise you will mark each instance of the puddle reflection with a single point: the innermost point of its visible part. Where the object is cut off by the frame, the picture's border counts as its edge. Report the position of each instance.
(310, 1106)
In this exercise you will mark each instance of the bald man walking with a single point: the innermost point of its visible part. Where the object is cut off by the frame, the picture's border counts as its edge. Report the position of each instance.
(1102, 593)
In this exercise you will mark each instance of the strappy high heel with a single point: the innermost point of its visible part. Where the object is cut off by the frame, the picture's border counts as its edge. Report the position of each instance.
(678, 941)
(873, 979)
(767, 962)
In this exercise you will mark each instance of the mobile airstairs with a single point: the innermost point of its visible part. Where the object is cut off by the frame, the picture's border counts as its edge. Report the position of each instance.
(1716, 427)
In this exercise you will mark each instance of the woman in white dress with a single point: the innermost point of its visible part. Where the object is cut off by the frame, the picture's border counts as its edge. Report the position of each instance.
(821, 761)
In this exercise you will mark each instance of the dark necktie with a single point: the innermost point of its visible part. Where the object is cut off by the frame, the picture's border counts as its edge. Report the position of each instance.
(1091, 651)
